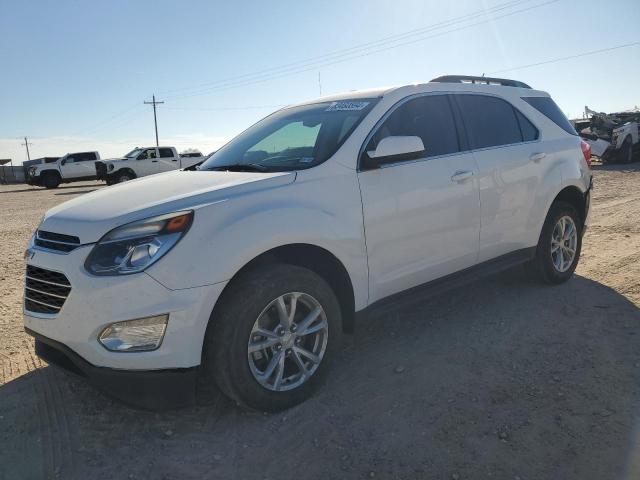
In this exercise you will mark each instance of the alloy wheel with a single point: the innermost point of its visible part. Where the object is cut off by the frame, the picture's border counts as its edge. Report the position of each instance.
(564, 241)
(288, 341)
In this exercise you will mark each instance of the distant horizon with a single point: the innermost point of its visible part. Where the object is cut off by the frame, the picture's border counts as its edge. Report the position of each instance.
(81, 86)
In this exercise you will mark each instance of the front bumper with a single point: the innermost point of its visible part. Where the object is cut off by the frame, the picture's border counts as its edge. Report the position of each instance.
(150, 389)
(34, 180)
(101, 171)
(96, 302)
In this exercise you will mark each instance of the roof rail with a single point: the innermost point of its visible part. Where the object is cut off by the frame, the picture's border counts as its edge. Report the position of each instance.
(505, 82)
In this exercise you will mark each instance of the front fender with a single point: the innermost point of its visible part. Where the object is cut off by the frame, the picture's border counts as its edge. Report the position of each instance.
(229, 234)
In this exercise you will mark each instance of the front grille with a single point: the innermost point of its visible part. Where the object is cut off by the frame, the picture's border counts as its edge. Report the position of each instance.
(56, 241)
(101, 170)
(45, 291)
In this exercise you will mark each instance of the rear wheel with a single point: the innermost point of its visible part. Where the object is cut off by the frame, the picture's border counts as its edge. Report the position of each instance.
(51, 180)
(272, 337)
(558, 249)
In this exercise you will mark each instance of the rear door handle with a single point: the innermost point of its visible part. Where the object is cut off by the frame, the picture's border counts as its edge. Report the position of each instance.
(461, 175)
(154, 161)
(536, 157)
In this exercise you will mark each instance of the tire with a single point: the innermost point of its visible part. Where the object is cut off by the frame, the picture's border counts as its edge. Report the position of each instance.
(248, 302)
(51, 180)
(110, 181)
(555, 267)
(123, 177)
(626, 151)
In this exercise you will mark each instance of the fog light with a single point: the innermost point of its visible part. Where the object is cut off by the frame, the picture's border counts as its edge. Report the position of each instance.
(143, 334)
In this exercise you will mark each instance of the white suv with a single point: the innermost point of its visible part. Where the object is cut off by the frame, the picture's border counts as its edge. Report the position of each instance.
(246, 271)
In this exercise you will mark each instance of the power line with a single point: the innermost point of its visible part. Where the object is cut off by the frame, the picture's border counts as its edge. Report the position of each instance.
(207, 109)
(331, 58)
(155, 119)
(358, 47)
(100, 125)
(347, 57)
(568, 57)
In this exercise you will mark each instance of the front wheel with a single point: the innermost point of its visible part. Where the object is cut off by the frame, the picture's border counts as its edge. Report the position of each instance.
(51, 180)
(124, 177)
(559, 246)
(272, 337)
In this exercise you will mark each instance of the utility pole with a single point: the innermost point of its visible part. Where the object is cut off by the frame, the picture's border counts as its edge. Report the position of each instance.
(26, 145)
(155, 119)
(319, 84)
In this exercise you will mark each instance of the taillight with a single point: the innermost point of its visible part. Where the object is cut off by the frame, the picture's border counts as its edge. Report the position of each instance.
(586, 151)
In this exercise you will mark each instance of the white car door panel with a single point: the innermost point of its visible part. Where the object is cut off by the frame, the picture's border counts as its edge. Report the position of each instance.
(509, 158)
(420, 224)
(421, 217)
(146, 162)
(77, 166)
(167, 160)
(508, 182)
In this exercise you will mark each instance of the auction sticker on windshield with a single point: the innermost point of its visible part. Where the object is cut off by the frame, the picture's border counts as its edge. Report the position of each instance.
(346, 106)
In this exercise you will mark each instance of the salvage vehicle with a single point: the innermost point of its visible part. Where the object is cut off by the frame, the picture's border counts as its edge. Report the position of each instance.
(73, 167)
(141, 162)
(246, 271)
(613, 137)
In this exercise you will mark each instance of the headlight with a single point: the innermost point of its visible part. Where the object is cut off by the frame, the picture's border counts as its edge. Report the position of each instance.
(143, 334)
(135, 246)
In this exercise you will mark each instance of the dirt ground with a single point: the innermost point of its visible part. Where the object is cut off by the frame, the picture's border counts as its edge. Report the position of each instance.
(502, 379)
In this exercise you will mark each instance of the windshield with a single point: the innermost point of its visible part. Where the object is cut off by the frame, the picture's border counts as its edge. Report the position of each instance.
(293, 138)
(133, 153)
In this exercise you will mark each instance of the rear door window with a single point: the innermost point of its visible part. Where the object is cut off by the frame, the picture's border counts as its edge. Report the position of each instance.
(166, 153)
(429, 117)
(489, 121)
(549, 109)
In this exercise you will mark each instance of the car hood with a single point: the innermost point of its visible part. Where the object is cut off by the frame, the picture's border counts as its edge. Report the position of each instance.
(92, 215)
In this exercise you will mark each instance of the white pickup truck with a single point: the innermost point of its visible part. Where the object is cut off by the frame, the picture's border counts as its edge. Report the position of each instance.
(73, 167)
(141, 162)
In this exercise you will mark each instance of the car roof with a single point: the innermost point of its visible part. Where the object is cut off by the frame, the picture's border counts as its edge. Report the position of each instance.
(403, 90)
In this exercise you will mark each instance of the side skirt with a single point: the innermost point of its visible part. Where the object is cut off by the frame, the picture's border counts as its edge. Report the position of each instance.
(435, 287)
(79, 179)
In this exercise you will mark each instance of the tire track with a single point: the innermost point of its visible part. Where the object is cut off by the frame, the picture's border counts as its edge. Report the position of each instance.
(59, 408)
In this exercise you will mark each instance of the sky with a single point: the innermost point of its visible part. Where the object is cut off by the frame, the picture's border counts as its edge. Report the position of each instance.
(74, 74)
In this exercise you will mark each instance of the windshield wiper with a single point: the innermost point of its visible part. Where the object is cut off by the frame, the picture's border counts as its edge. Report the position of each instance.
(241, 167)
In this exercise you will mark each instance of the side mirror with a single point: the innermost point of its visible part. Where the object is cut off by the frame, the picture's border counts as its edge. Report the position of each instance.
(63, 161)
(393, 149)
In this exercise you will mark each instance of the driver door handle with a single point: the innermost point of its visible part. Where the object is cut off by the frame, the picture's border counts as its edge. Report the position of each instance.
(461, 175)
(536, 157)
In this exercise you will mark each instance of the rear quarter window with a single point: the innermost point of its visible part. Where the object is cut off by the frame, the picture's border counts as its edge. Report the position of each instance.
(549, 109)
(529, 132)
